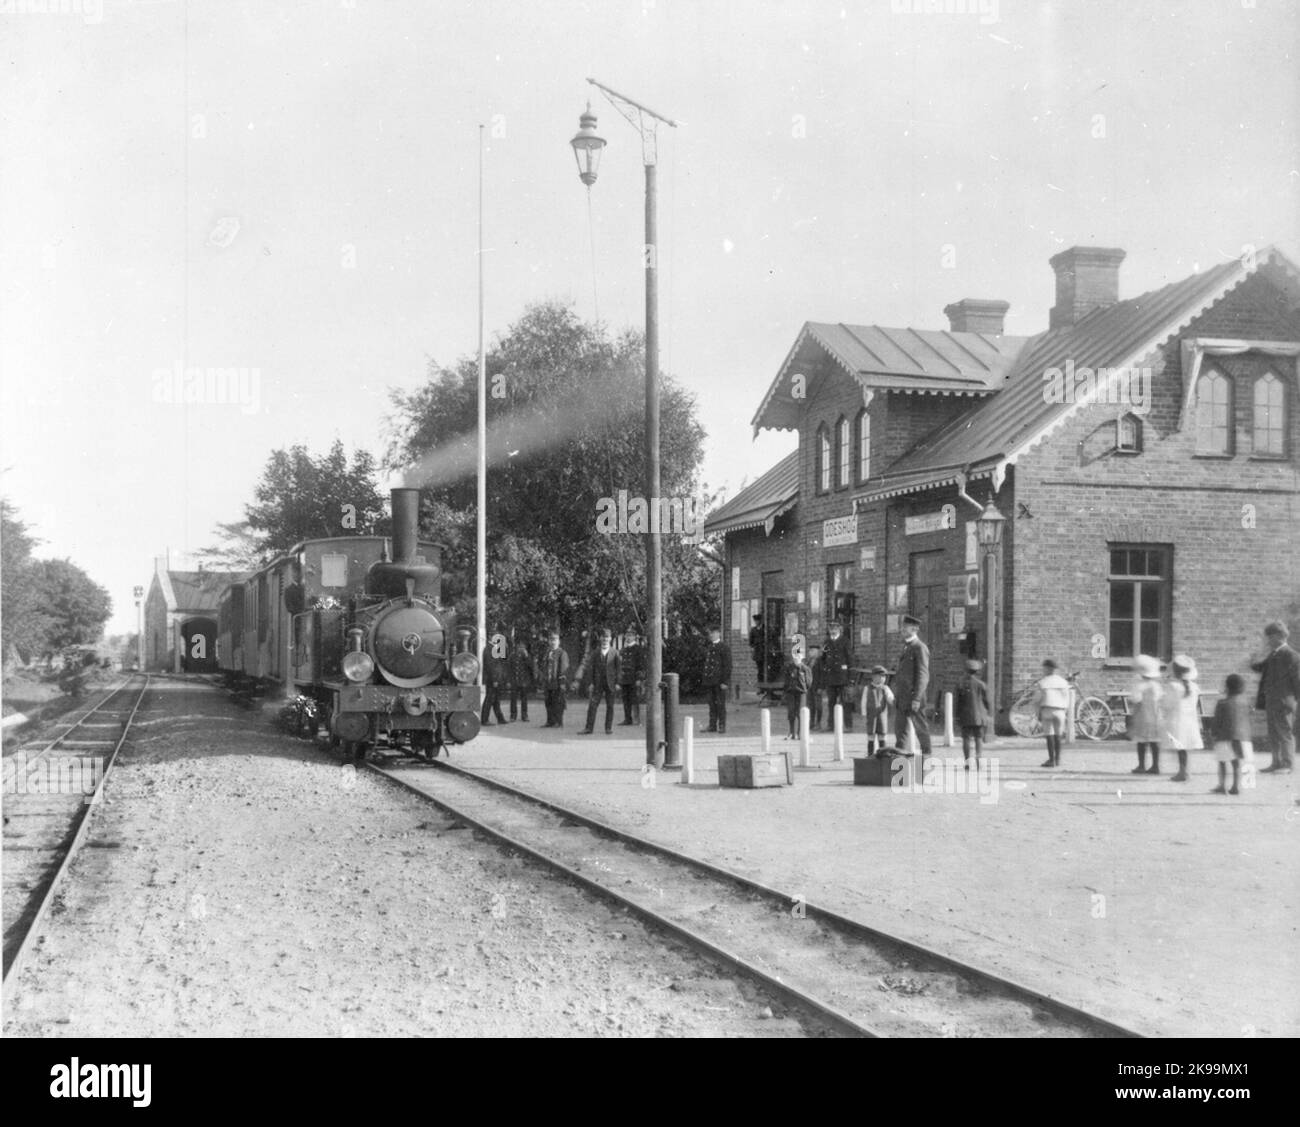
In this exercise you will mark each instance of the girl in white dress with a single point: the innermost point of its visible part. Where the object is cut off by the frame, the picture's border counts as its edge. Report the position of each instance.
(1182, 713)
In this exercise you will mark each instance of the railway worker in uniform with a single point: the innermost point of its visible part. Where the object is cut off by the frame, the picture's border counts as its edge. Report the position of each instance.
(1232, 734)
(1144, 713)
(910, 686)
(756, 644)
(839, 660)
(797, 679)
(631, 673)
(973, 711)
(877, 699)
(1279, 692)
(716, 679)
(494, 677)
(555, 674)
(1052, 699)
(523, 676)
(1182, 713)
(598, 674)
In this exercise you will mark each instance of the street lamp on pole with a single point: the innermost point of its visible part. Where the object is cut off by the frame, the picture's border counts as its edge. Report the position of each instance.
(587, 149)
(988, 529)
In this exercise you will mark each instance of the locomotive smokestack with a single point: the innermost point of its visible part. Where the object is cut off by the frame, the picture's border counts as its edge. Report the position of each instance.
(406, 525)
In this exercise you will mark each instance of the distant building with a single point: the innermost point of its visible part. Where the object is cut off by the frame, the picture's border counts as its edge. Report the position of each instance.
(177, 604)
(1143, 452)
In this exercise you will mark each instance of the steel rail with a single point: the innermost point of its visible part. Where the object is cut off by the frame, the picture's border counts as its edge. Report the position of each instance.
(81, 822)
(845, 924)
(794, 996)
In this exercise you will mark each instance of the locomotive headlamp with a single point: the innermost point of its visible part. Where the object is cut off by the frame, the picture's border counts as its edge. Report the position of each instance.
(464, 667)
(358, 666)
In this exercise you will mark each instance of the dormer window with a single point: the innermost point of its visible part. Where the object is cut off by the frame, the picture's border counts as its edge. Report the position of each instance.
(1213, 413)
(844, 452)
(823, 459)
(1128, 434)
(1269, 426)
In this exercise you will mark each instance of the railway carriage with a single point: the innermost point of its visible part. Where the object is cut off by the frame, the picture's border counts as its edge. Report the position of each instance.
(355, 625)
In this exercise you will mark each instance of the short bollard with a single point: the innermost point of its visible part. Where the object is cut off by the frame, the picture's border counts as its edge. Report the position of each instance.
(805, 738)
(688, 749)
(948, 738)
(839, 733)
(765, 729)
(1069, 718)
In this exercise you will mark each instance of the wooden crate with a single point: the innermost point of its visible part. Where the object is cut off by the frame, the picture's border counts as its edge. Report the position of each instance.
(760, 770)
(868, 771)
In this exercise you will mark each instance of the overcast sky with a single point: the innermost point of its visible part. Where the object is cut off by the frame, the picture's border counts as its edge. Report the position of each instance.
(291, 188)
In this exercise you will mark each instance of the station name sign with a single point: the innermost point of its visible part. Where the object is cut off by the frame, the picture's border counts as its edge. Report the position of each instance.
(931, 522)
(840, 530)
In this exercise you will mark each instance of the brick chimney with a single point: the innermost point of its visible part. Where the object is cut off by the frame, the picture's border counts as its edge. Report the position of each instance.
(1087, 278)
(977, 315)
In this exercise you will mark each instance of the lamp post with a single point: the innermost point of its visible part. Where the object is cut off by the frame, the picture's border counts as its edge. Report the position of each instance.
(988, 529)
(587, 148)
(138, 593)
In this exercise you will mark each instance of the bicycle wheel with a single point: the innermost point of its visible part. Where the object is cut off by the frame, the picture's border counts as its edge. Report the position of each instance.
(1024, 716)
(1092, 718)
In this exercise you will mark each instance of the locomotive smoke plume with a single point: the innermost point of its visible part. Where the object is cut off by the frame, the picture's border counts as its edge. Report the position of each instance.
(518, 434)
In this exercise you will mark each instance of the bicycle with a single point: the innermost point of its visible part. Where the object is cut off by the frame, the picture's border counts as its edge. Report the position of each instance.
(1092, 715)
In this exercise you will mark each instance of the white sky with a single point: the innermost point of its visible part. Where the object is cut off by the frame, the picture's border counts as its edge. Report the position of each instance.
(340, 123)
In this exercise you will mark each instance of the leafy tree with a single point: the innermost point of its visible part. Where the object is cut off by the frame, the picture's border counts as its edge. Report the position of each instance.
(76, 605)
(237, 550)
(304, 498)
(23, 617)
(566, 426)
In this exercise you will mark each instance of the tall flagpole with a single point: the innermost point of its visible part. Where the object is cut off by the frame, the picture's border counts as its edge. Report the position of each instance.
(482, 434)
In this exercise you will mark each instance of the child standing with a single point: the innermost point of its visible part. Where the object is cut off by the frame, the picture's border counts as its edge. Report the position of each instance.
(1144, 715)
(817, 682)
(797, 679)
(1182, 713)
(973, 711)
(876, 700)
(1052, 697)
(1232, 733)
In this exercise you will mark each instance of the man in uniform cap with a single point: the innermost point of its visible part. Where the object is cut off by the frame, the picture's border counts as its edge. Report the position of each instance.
(838, 662)
(599, 672)
(630, 676)
(717, 676)
(910, 685)
(1279, 691)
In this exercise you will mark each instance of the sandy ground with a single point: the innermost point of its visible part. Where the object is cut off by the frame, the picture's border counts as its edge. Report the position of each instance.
(1157, 904)
(238, 882)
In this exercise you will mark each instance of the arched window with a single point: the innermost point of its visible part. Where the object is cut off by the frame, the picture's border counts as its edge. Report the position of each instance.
(845, 452)
(1213, 414)
(1270, 415)
(1128, 434)
(823, 459)
(864, 446)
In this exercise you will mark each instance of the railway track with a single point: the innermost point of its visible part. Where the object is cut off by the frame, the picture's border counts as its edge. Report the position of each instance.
(49, 793)
(860, 981)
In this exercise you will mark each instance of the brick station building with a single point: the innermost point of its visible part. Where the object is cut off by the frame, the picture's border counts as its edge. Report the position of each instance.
(1153, 510)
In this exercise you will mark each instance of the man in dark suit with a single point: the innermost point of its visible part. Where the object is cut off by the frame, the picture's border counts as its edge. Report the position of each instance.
(910, 685)
(494, 677)
(838, 663)
(716, 679)
(523, 673)
(554, 669)
(1279, 691)
(599, 673)
(757, 644)
(630, 676)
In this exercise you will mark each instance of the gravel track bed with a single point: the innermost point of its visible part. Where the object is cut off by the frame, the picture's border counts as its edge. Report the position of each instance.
(238, 882)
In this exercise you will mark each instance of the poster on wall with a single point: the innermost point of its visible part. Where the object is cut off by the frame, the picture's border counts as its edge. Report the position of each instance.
(815, 597)
(735, 583)
(957, 620)
(972, 547)
(867, 559)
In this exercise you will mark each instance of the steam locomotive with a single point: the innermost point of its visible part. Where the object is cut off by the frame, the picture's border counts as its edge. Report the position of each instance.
(361, 637)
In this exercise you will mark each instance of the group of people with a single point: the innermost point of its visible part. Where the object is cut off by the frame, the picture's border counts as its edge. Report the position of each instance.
(605, 672)
(1162, 712)
(1165, 711)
